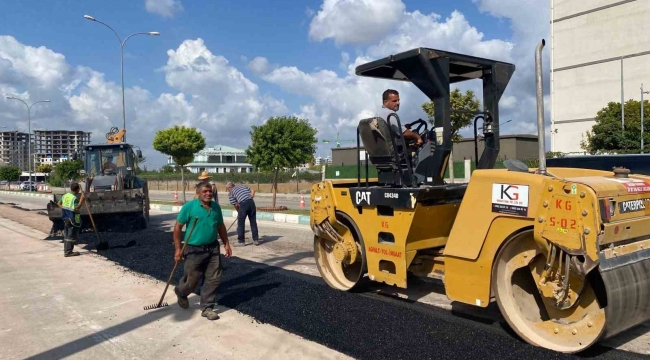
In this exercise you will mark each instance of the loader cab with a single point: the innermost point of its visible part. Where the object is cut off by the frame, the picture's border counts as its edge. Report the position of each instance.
(109, 159)
(402, 165)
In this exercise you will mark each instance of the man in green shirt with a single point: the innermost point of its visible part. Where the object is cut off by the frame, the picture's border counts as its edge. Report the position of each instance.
(202, 250)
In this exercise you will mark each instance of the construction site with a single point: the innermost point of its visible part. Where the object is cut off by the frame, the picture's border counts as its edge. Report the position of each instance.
(411, 242)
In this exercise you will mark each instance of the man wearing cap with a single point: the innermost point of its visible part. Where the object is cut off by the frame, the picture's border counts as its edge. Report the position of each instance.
(206, 177)
(242, 198)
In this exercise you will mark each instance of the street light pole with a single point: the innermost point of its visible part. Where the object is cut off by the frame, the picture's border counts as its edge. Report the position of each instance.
(642, 92)
(29, 135)
(150, 33)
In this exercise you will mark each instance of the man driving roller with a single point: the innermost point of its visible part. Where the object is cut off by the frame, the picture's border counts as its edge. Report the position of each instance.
(390, 105)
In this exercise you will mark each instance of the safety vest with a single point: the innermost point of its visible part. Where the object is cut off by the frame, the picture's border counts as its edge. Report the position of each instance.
(68, 202)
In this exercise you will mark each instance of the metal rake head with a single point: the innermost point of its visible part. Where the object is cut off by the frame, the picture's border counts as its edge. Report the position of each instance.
(155, 306)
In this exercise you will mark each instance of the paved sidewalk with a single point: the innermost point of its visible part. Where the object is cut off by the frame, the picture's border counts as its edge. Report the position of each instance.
(87, 308)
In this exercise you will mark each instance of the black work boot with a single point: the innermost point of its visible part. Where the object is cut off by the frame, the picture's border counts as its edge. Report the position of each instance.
(182, 300)
(72, 253)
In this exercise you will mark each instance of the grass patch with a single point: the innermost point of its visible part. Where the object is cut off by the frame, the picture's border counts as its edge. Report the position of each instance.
(230, 207)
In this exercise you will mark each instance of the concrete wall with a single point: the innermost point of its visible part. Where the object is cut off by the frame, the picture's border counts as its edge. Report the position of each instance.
(512, 147)
(588, 38)
(346, 156)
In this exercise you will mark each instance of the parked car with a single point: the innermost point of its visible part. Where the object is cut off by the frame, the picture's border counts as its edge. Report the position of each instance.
(26, 186)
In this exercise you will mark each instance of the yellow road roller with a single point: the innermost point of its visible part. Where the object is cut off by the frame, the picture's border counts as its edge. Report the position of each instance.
(564, 252)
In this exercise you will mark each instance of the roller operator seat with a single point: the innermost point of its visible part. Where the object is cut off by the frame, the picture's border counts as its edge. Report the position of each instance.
(376, 134)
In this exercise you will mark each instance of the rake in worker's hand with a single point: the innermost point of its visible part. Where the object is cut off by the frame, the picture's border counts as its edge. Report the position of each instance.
(161, 303)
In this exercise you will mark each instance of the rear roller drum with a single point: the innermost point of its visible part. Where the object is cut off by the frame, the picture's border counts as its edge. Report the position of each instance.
(534, 317)
(333, 262)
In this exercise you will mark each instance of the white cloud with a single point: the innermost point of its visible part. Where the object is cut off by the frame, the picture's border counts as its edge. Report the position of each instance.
(355, 21)
(164, 8)
(212, 96)
(337, 103)
(260, 65)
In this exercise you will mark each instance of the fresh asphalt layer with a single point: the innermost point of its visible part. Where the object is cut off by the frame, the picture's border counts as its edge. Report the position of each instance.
(360, 324)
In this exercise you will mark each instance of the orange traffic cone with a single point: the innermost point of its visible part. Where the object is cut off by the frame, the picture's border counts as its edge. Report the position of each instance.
(302, 200)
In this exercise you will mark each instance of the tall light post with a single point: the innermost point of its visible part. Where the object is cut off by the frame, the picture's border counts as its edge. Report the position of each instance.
(642, 92)
(150, 33)
(29, 135)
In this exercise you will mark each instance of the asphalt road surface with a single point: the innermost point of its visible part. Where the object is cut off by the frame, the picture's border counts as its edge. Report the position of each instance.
(267, 283)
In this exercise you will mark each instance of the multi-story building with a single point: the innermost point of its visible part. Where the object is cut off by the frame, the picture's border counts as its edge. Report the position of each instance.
(322, 161)
(218, 159)
(600, 52)
(14, 149)
(54, 146)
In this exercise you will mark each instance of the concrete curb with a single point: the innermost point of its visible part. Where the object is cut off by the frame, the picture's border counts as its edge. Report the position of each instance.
(32, 194)
(264, 216)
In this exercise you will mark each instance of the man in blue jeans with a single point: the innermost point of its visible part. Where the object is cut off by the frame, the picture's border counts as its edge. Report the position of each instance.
(242, 198)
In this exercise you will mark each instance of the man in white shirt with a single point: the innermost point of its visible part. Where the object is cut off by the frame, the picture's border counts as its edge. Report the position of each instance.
(390, 105)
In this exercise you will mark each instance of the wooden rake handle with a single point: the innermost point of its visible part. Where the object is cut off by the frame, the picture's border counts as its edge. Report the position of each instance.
(189, 236)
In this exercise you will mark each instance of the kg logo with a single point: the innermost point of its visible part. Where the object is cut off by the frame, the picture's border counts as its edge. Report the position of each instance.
(510, 192)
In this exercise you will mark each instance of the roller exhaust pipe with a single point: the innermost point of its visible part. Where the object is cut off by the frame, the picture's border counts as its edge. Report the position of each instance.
(540, 108)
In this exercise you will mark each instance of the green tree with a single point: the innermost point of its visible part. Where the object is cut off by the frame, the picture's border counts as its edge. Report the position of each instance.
(181, 143)
(44, 168)
(10, 173)
(167, 169)
(607, 135)
(68, 170)
(458, 101)
(459, 121)
(282, 142)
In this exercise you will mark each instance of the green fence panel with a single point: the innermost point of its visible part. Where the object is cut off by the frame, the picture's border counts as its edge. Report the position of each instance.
(348, 172)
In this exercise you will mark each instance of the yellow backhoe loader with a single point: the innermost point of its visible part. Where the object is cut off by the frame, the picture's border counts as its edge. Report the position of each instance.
(564, 252)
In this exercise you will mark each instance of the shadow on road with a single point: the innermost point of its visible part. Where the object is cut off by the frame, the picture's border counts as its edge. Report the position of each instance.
(112, 332)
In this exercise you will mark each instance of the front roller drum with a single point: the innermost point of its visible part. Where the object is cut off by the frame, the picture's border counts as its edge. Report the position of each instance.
(534, 317)
(333, 261)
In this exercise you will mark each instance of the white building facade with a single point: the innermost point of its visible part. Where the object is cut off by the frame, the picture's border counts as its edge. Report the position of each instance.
(600, 53)
(218, 159)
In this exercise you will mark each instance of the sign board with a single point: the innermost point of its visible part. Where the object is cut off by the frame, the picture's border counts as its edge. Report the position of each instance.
(510, 199)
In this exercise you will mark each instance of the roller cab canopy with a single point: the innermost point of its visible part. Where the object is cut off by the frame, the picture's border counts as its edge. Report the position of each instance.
(432, 71)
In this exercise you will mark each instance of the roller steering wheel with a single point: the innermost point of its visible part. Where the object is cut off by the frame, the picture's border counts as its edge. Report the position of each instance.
(418, 128)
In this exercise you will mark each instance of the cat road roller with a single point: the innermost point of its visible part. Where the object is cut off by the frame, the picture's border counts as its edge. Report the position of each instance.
(564, 252)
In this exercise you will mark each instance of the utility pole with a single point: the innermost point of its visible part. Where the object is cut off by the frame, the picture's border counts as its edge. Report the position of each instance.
(150, 33)
(642, 92)
(29, 135)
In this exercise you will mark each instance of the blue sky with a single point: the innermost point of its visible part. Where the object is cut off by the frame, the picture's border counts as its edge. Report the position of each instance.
(301, 47)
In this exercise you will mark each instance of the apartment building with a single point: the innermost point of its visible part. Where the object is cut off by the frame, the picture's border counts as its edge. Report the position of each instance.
(54, 146)
(14, 149)
(600, 52)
